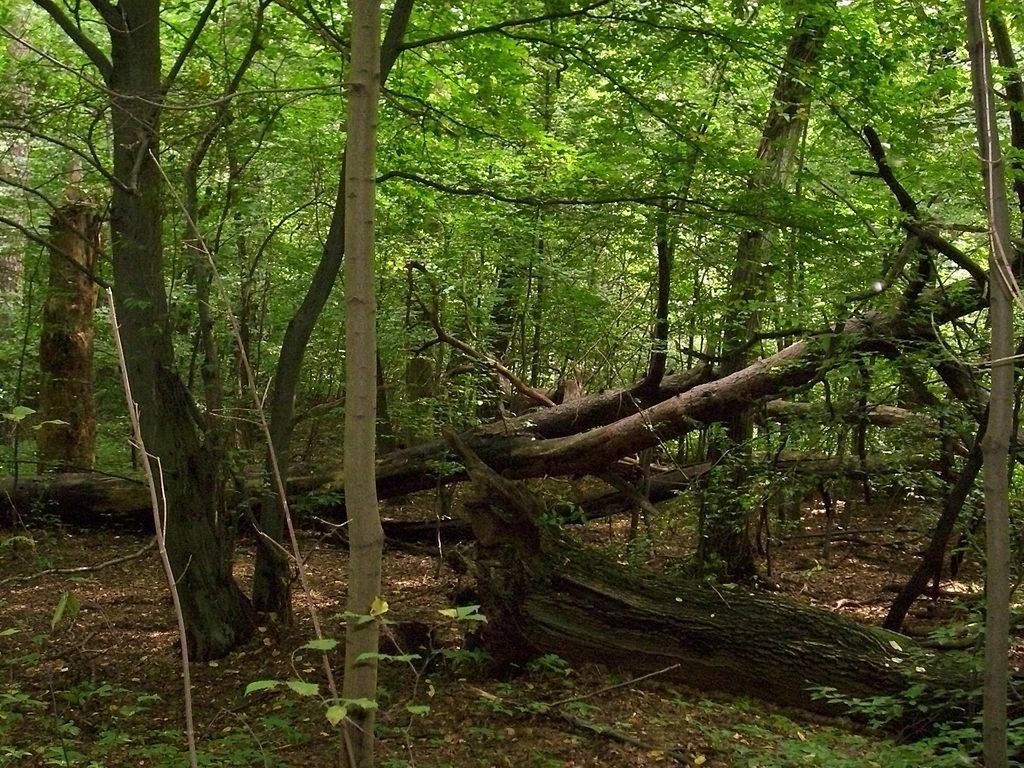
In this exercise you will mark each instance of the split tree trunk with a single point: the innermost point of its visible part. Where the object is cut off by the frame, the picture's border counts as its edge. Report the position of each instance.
(199, 542)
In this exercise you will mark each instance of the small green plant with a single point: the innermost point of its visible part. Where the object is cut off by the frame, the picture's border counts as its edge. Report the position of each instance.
(552, 663)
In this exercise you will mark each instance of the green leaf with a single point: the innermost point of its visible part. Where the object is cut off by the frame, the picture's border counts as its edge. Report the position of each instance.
(67, 606)
(463, 613)
(371, 656)
(58, 422)
(9, 631)
(261, 685)
(336, 713)
(18, 413)
(361, 703)
(303, 688)
(418, 709)
(323, 644)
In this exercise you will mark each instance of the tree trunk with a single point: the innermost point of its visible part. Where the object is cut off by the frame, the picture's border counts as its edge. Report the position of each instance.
(366, 539)
(930, 566)
(66, 439)
(725, 539)
(199, 541)
(996, 443)
(271, 579)
(14, 165)
(542, 594)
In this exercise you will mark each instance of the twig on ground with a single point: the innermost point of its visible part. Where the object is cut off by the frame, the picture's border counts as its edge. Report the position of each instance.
(614, 734)
(81, 568)
(625, 684)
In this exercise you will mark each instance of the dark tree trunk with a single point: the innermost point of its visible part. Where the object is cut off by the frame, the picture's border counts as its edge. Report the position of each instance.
(199, 541)
(930, 566)
(66, 439)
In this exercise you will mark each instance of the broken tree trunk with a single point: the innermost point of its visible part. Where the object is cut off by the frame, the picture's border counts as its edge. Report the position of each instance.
(66, 440)
(543, 594)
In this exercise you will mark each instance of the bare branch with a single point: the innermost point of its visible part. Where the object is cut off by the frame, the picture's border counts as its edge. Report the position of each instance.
(44, 241)
(466, 349)
(91, 158)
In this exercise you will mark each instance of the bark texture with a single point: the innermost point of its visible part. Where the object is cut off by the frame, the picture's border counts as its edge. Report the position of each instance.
(544, 595)
(66, 439)
(199, 540)
(366, 539)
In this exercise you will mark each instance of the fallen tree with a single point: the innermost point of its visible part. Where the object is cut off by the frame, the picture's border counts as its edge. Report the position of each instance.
(90, 499)
(94, 500)
(543, 594)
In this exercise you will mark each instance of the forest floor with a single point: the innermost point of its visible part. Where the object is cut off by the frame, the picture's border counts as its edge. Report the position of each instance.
(91, 676)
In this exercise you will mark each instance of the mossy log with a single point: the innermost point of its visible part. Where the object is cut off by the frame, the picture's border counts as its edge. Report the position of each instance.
(543, 594)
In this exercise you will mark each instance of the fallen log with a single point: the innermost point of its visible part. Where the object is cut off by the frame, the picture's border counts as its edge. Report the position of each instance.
(669, 484)
(98, 500)
(876, 415)
(542, 594)
(93, 500)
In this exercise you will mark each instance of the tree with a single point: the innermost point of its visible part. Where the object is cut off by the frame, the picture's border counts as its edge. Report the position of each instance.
(996, 443)
(725, 539)
(366, 539)
(217, 614)
(271, 591)
(67, 435)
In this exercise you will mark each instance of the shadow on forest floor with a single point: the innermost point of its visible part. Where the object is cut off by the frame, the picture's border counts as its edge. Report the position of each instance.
(100, 686)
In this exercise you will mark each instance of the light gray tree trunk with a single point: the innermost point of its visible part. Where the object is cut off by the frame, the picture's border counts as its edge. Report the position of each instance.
(996, 445)
(271, 591)
(725, 538)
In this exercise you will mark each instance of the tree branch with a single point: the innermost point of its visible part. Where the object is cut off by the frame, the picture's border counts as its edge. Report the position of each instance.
(38, 239)
(190, 42)
(908, 205)
(475, 354)
(502, 25)
(392, 45)
(78, 37)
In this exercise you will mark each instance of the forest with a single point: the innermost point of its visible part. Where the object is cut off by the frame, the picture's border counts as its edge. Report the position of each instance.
(552, 383)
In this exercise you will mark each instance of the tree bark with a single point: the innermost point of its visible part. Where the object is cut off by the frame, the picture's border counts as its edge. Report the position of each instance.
(199, 542)
(271, 578)
(995, 446)
(542, 594)
(366, 539)
(66, 439)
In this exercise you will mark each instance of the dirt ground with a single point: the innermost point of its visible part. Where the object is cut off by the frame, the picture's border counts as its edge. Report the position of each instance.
(91, 673)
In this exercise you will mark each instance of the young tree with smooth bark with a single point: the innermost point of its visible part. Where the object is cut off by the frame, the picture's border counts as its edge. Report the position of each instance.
(366, 538)
(996, 444)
